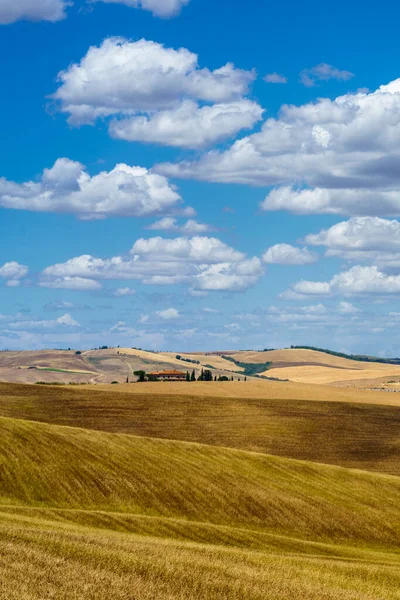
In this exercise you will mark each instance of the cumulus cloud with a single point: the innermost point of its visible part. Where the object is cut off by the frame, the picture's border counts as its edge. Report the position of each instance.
(313, 288)
(357, 280)
(203, 263)
(32, 10)
(285, 254)
(123, 292)
(128, 77)
(70, 283)
(189, 228)
(336, 156)
(189, 125)
(333, 201)
(168, 314)
(235, 277)
(275, 78)
(13, 272)
(156, 94)
(68, 188)
(362, 239)
(346, 308)
(323, 72)
(159, 8)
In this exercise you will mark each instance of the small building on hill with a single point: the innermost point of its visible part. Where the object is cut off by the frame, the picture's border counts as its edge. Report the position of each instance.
(169, 375)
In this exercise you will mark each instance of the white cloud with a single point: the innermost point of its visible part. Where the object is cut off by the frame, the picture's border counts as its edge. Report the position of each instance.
(275, 78)
(285, 254)
(70, 283)
(13, 272)
(165, 224)
(32, 10)
(13, 283)
(362, 238)
(198, 249)
(122, 292)
(210, 310)
(312, 288)
(157, 94)
(168, 314)
(336, 156)
(66, 320)
(333, 201)
(234, 277)
(189, 125)
(357, 280)
(144, 319)
(346, 308)
(323, 72)
(291, 295)
(189, 228)
(159, 8)
(203, 263)
(123, 77)
(68, 188)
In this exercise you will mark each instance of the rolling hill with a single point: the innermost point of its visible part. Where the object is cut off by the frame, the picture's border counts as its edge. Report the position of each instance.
(258, 490)
(288, 420)
(87, 514)
(117, 364)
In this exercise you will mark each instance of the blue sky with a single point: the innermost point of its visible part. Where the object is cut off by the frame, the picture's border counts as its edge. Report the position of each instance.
(192, 174)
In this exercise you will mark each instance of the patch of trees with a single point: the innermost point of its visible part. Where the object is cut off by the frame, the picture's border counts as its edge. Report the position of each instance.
(358, 357)
(188, 360)
(141, 375)
(250, 369)
(205, 375)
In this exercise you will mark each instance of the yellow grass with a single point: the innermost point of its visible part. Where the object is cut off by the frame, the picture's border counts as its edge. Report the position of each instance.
(58, 467)
(170, 357)
(365, 436)
(300, 355)
(88, 515)
(260, 389)
(93, 512)
(324, 375)
(42, 560)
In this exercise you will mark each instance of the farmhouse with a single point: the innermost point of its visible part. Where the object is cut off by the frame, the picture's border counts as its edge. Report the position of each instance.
(169, 375)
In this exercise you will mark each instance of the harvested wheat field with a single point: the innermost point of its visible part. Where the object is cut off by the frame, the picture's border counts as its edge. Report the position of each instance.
(87, 514)
(329, 375)
(258, 490)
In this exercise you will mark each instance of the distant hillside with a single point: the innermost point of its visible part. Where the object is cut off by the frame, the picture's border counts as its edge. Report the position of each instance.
(358, 357)
(107, 365)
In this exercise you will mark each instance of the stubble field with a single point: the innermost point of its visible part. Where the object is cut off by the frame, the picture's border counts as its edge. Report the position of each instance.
(217, 491)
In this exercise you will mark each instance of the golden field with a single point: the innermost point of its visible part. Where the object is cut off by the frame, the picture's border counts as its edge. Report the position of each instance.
(256, 490)
(117, 364)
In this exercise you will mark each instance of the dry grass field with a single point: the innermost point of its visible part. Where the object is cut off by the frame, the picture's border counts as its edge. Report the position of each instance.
(86, 515)
(118, 364)
(256, 490)
(358, 435)
(327, 375)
